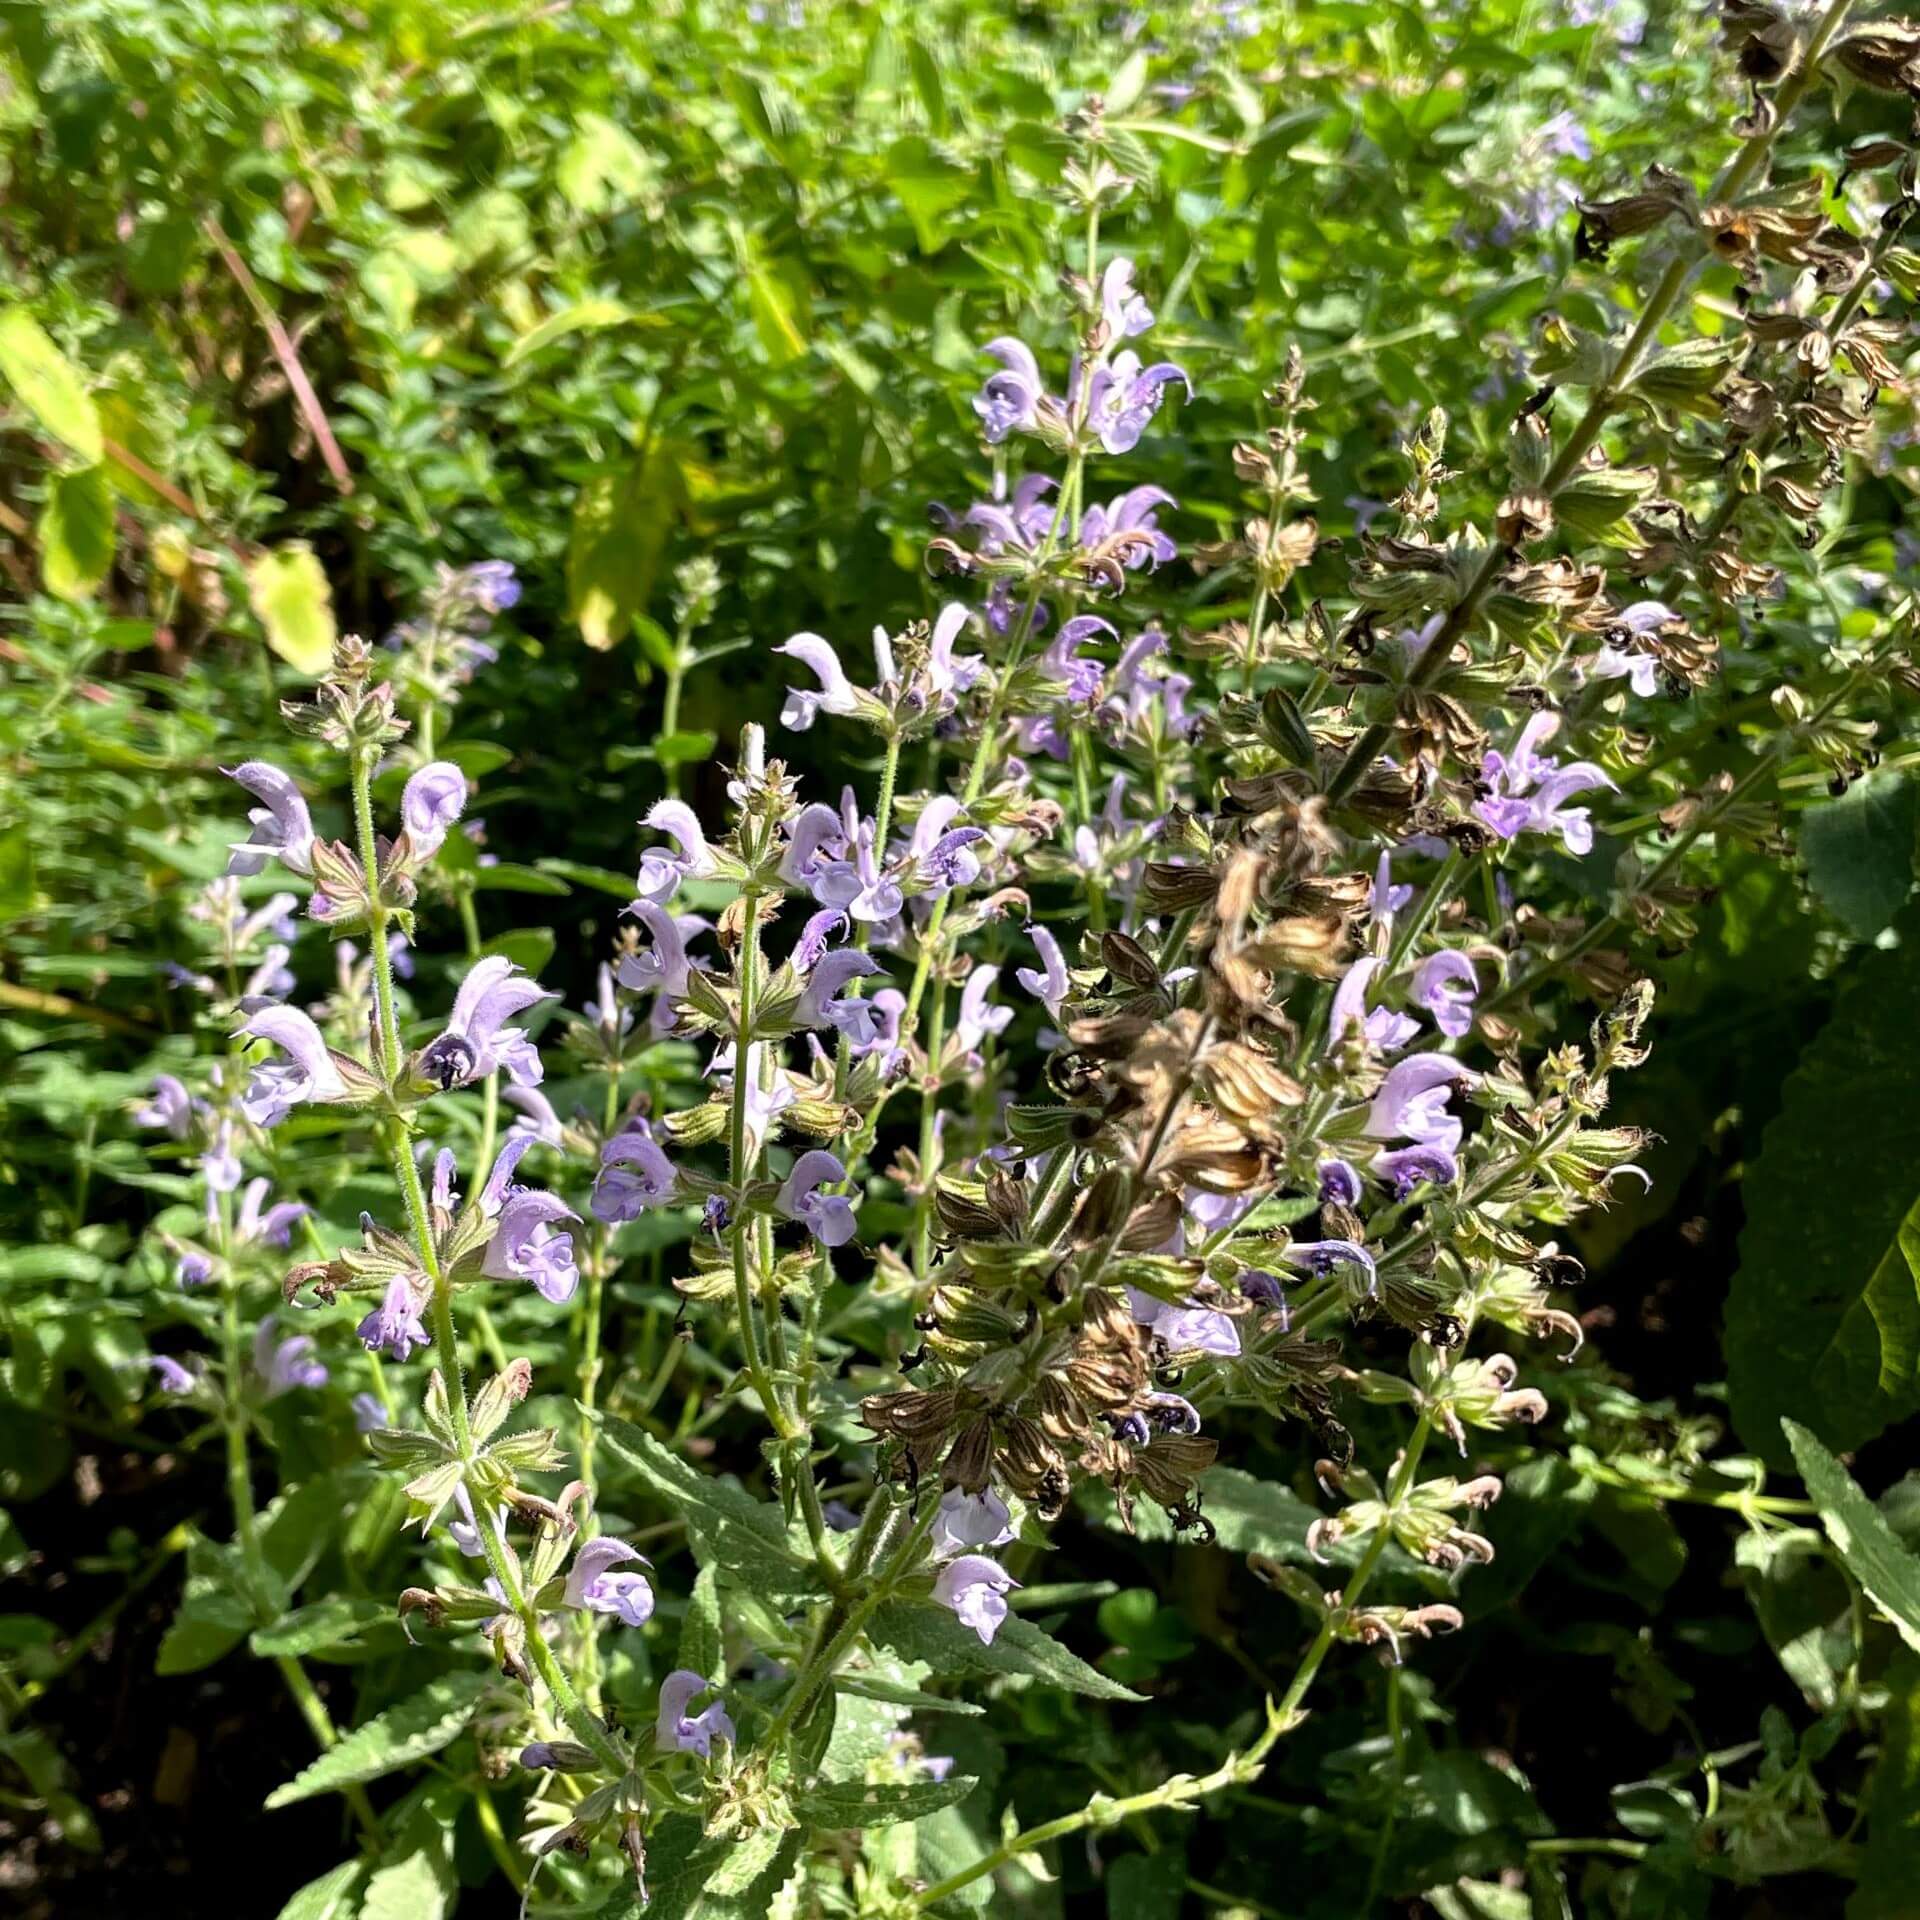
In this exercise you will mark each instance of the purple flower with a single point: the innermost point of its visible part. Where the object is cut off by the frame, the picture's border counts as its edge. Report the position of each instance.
(1185, 1329)
(1049, 985)
(500, 1184)
(174, 1378)
(1407, 1167)
(1010, 400)
(662, 968)
(525, 1246)
(1640, 670)
(1131, 512)
(477, 1040)
(1446, 985)
(491, 585)
(282, 826)
(594, 1586)
(829, 1217)
(939, 854)
(1564, 135)
(816, 839)
(280, 1366)
(857, 887)
(1123, 397)
(674, 1730)
(948, 674)
(635, 1174)
(430, 804)
(394, 1326)
(978, 1017)
(368, 1413)
(1383, 1028)
(193, 1269)
(1412, 1101)
(1261, 1287)
(307, 1073)
(1386, 899)
(975, 1589)
(171, 1107)
(837, 694)
(1021, 523)
(968, 1520)
(1123, 310)
(661, 872)
(536, 1119)
(1339, 1184)
(1325, 1256)
(822, 1005)
(272, 1227)
(1527, 792)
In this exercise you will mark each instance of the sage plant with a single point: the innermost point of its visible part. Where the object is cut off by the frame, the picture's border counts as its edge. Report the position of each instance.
(1192, 1000)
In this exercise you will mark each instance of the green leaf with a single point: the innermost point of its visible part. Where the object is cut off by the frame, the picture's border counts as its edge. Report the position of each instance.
(867, 1686)
(290, 595)
(1255, 1516)
(923, 1631)
(328, 1898)
(416, 1880)
(702, 1645)
(76, 533)
(326, 1623)
(1148, 1886)
(928, 185)
(1823, 1316)
(1860, 1534)
(18, 886)
(1890, 1860)
(837, 1806)
(620, 523)
(603, 166)
(505, 877)
(193, 1642)
(49, 385)
(1859, 851)
(529, 948)
(417, 1727)
(728, 1527)
(584, 316)
(600, 879)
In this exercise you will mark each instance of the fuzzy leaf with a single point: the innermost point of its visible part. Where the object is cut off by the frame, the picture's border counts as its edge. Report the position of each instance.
(923, 1631)
(430, 1720)
(1823, 1317)
(1860, 1534)
(854, 1803)
(328, 1898)
(1859, 851)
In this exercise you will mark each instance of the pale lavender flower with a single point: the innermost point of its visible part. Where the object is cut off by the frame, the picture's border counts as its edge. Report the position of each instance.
(1185, 1329)
(282, 827)
(674, 1730)
(1339, 1183)
(975, 1589)
(174, 1378)
(837, 694)
(662, 968)
(1386, 899)
(1408, 1167)
(825, 1004)
(1123, 397)
(1132, 512)
(430, 804)
(1010, 400)
(368, 1414)
(1446, 985)
(307, 1073)
(968, 1520)
(1124, 311)
(816, 839)
(1021, 522)
(536, 1117)
(661, 872)
(527, 1246)
(490, 584)
(948, 675)
(1048, 983)
(1327, 1256)
(939, 856)
(280, 1366)
(978, 1017)
(477, 1040)
(1383, 1028)
(595, 1585)
(171, 1107)
(829, 1217)
(635, 1174)
(1412, 1101)
(394, 1326)
(1640, 670)
(857, 886)
(1528, 791)
(193, 1269)
(267, 1226)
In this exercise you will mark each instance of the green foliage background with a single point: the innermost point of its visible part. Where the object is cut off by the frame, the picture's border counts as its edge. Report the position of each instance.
(599, 289)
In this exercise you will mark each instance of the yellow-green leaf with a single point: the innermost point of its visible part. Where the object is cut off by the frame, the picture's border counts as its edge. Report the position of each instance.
(48, 385)
(290, 594)
(581, 316)
(76, 532)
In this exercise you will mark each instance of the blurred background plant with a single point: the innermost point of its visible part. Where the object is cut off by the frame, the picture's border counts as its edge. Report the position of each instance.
(678, 311)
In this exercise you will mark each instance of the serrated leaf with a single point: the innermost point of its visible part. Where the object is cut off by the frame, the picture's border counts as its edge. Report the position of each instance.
(76, 533)
(328, 1898)
(417, 1727)
(326, 1623)
(289, 592)
(1860, 1534)
(924, 1631)
(417, 1884)
(728, 1527)
(1859, 851)
(49, 385)
(1823, 1316)
(855, 1803)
